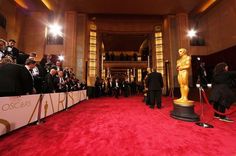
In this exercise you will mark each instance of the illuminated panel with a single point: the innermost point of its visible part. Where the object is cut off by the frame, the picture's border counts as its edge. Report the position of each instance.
(159, 51)
(139, 75)
(103, 70)
(92, 51)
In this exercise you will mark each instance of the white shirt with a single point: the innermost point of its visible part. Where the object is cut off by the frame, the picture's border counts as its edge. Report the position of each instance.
(61, 80)
(117, 85)
(1, 54)
(35, 71)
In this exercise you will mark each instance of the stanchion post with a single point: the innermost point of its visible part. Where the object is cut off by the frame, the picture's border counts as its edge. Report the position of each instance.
(202, 124)
(40, 108)
(67, 100)
(67, 91)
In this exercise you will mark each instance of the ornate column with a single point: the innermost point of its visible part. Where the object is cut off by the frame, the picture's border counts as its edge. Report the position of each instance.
(170, 49)
(182, 28)
(81, 47)
(182, 40)
(70, 39)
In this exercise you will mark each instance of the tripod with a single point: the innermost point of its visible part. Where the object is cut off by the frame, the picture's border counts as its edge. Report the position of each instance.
(202, 124)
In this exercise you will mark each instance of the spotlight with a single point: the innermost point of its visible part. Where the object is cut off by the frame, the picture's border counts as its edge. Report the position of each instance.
(191, 33)
(55, 29)
(61, 58)
(198, 58)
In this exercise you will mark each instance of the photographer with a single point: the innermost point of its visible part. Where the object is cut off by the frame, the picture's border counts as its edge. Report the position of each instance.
(222, 96)
(2, 48)
(12, 51)
(60, 82)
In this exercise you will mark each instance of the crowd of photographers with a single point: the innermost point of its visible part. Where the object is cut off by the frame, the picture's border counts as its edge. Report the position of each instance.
(21, 74)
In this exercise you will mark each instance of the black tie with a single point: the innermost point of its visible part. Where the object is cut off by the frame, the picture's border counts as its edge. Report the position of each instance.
(31, 71)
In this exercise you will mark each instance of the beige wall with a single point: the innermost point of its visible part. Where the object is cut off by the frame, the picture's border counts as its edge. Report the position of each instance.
(34, 33)
(14, 19)
(70, 26)
(28, 29)
(3, 33)
(218, 28)
(81, 46)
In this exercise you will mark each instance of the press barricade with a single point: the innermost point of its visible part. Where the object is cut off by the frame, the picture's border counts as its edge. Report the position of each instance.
(19, 111)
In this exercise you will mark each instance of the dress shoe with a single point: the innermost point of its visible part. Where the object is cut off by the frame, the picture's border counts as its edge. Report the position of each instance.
(152, 107)
(226, 119)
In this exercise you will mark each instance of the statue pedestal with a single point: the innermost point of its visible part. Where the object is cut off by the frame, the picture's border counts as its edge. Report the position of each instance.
(184, 110)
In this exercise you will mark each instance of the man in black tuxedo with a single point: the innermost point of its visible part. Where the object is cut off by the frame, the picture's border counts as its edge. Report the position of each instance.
(2, 48)
(109, 86)
(60, 83)
(116, 88)
(58, 66)
(202, 75)
(14, 79)
(38, 73)
(49, 85)
(155, 84)
(12, 50)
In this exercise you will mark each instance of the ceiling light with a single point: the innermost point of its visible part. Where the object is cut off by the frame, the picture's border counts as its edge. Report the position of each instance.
(22, 3)
(206, 5)
(48, 4)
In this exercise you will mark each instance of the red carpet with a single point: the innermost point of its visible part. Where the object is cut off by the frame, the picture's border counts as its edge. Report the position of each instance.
(121, 127)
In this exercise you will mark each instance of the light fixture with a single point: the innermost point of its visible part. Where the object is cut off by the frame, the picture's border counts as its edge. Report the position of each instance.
(206, 5)
(22, 4)
(61, 58)
(192, 33)
(55, 29)
(48, 4)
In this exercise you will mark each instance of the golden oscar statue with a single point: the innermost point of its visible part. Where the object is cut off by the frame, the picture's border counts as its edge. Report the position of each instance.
(183, 66)
(184, 108)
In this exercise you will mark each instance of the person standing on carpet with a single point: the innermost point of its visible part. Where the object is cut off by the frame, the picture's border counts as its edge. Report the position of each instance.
(146, 92)
(116, 88)
(154, 83)
(222, 97)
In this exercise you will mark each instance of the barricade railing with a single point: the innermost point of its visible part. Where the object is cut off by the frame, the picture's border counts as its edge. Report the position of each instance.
(204, 123)
(19, 111)
(207, 101)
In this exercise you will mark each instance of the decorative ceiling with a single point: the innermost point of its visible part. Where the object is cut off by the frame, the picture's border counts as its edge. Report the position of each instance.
(119, 42)
(134, 7)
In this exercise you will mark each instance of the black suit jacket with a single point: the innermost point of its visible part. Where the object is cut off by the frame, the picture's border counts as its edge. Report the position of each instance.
(58, 86)
(49, 86)
(114, 85)
(221, 91)
(154, 81)
(14, 80)
(14, 52)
